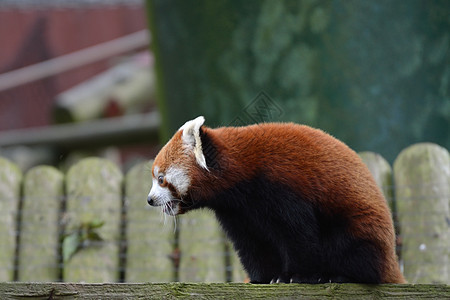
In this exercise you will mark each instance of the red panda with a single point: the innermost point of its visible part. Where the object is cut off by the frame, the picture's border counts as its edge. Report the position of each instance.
(299, 205)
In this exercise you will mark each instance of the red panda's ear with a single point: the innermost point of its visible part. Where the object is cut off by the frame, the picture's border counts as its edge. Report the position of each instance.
(191, 138)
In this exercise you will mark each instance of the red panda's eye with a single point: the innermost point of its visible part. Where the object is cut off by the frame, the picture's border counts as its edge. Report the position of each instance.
(160, 179)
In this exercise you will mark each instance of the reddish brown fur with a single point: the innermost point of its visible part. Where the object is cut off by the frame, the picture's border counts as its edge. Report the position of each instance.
(305, 159)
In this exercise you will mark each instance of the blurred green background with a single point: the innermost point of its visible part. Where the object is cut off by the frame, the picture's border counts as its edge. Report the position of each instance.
(375, 74)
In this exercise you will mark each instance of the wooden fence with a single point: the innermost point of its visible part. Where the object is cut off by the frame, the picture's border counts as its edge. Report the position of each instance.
(93, 224)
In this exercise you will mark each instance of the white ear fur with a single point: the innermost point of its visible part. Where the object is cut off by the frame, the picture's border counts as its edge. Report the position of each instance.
(191, 138)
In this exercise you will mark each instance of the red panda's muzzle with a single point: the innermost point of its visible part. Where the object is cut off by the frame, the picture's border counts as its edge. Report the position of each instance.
(172, 207)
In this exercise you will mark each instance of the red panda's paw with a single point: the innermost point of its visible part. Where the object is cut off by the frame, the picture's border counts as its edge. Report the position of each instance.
(320, 279)
(280, 279)
(296, 278)
(314, 279)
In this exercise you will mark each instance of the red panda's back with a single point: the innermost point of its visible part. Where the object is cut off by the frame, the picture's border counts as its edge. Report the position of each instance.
(321, 168)
(302, 157)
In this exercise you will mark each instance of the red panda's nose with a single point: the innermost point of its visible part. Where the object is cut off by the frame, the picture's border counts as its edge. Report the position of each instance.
(150, 201)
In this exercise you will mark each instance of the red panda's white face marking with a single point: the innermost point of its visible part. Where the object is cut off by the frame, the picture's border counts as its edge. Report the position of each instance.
(168, 189)
(179, 179)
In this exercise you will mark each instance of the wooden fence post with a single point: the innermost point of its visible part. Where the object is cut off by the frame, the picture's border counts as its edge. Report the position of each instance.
(202, 245)
(149, 241)
(422, 180)
(94, 196)
(238, 274)
(40, 234)
(10, 180)
(381, 172)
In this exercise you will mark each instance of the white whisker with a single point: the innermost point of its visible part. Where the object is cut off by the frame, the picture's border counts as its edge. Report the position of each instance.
(166, 207)
(174, 223)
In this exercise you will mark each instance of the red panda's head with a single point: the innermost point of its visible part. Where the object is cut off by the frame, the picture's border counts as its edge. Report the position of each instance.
(175, 167)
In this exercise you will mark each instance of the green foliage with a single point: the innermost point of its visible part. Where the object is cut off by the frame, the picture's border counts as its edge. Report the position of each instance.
(80, 237)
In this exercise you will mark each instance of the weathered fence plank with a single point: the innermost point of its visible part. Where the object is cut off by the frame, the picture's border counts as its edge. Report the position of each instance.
(238, 273)
(149, 241)
(17, 290)
(10, 180)
(40, 228)
(381, 172)
(202, 247)
(94, 196)
(422, 179)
